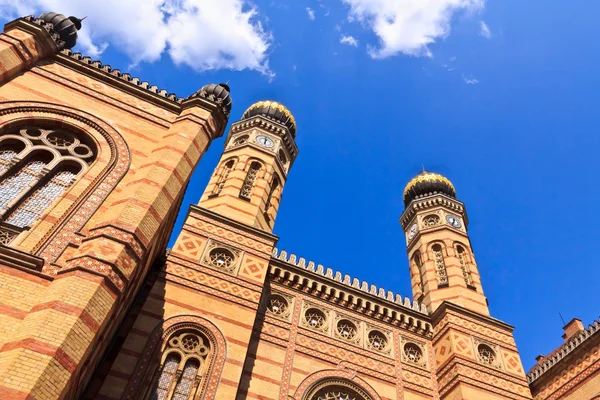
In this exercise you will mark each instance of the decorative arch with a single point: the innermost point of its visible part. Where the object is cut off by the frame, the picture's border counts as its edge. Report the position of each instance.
(112, 162)
(153, 354)
(464, 259)
(437, 250)
(222, 174)
(253, 170)
(344, 379)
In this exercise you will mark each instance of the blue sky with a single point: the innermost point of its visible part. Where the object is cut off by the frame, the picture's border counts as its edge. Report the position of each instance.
(508, 114)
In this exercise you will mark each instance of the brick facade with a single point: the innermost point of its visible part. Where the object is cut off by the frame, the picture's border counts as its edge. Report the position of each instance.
(91, 305)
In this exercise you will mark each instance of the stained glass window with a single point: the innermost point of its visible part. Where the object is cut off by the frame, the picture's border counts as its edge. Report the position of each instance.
(186, 382)
(18, 183)
(6, 157)
(26, 191)
(167, 376)
(39, 201)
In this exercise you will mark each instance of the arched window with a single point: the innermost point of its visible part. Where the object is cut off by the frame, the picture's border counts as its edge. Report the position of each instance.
(250, 180)
(37, 166)
(274, 186)
(440, 265)
(226, 170)
(464, 265)
(183, 367)
(337, 390)
(419, 267)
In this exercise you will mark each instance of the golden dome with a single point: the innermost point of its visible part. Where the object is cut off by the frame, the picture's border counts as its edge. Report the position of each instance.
(427, 183)
(272, 110)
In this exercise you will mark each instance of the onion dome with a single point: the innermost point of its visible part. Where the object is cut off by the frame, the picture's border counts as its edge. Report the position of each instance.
(427, 183)
(274, 111)
(219, 93)
(65, 27)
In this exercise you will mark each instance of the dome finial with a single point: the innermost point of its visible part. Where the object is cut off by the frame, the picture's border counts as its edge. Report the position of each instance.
(427, 183)
(66, 28)
(274, 111)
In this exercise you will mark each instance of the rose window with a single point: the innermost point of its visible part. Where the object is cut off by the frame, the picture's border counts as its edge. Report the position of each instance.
(346, 330)
(431, 220)
(377, 340)
(413, 353)
(221, 258)
(486, 355)
(277, 305)
(315, 318)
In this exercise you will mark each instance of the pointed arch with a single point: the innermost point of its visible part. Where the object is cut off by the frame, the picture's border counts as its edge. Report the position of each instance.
(464, 260)
(164, 354)
(250, 180)
(222, 174)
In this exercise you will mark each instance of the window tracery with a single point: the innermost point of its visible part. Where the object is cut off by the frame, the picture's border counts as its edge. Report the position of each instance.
(227, 168)
(419, 266)
(337, 389)
(183, 368)
(466, 271)
(274, 186)
(431, 220)
(440, 266)
(37, 166)
(279, 306)
(486, 355)
(377, 341)
(250, 180)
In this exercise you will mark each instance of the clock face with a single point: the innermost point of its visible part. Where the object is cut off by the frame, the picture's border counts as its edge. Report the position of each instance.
(412, 232)
(265, 141)
(453, 220)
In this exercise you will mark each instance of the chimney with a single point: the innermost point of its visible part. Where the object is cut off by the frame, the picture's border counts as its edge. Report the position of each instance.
(572, 329)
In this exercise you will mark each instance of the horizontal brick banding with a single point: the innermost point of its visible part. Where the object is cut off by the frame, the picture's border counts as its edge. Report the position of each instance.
(25, 275)
(43, 348)
(69, 309)
(12, 394)
(93, 277)
(12, 311)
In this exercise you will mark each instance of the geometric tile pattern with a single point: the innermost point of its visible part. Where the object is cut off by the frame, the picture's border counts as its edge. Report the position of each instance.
(253, 268)
(213, 282)
(189, 246)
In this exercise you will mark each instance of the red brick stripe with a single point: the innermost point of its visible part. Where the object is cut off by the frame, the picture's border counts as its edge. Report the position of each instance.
(12, 311)
(12, 394)
(24, 275)
(69, 309)
(43, 348)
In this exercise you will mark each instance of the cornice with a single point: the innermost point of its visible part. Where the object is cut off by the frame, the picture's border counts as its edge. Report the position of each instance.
(350, 293)
(38, 27)
(267, 236)
(584, 337)
(446, 307)
(268, 126)
(427, 202)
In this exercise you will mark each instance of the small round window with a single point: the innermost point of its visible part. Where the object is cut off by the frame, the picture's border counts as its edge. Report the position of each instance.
(377, 340)
(486, 355)
(277, 305)
(315, 318)
(221, 258)
(346, 329)
(413, 353)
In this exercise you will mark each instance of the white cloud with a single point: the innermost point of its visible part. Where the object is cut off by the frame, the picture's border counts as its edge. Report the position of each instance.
(349, 40)
(203, 34)
(469, 80)
(485, 30)
(311, 13)
(407, 26)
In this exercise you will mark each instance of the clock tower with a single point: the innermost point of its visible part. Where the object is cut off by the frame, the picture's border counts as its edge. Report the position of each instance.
(442, 264)
(248, 181)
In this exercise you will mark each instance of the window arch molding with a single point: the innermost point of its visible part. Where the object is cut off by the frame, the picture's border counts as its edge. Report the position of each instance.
(334, 379)
(152, 354)
(112, 163)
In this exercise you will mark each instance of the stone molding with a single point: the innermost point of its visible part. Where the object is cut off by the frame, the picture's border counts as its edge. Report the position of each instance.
(563, 351)
(427, 202)
(21, 260)
(269, 126)
(357, 297)
(39, 27)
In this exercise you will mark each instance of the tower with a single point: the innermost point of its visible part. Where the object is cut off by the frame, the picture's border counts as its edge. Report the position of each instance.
(248, 181)
(442, 264)
(470, 347)
(203, 302)
(93, 168)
